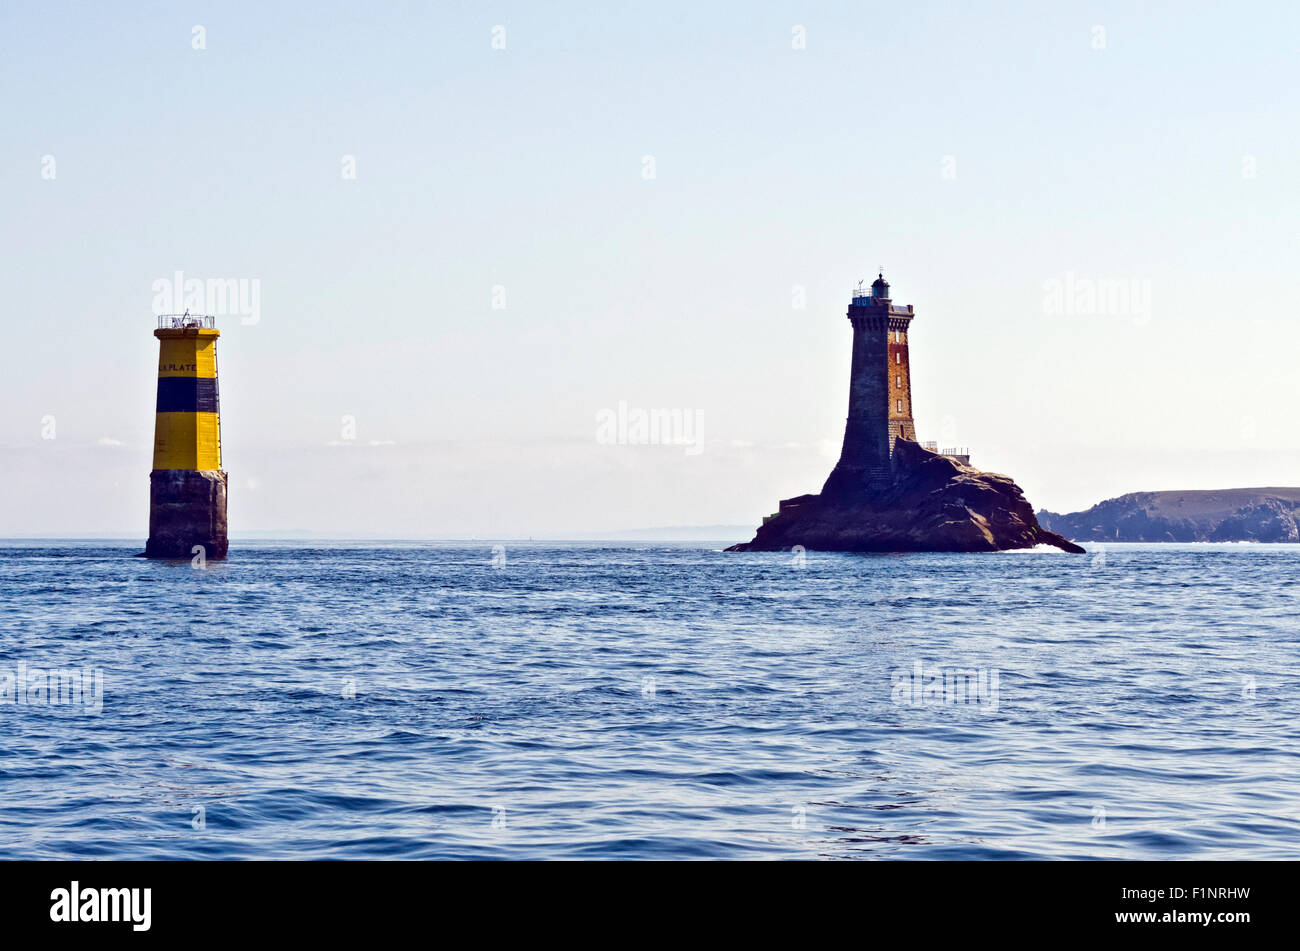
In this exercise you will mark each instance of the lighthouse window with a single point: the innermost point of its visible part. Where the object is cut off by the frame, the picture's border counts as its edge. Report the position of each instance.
(900, 406)
(898, 356)
(899, 382)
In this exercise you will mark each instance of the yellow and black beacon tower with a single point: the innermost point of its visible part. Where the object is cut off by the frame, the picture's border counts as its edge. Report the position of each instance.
(187, 488)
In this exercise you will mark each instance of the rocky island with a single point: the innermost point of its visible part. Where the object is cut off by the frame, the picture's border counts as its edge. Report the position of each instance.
(888, 493)
(1208, 515)
(932, 503)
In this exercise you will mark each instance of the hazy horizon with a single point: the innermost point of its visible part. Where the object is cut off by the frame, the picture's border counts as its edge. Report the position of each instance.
(466, 240)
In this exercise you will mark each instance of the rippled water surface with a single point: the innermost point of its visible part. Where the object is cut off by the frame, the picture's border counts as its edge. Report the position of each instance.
(416, 701)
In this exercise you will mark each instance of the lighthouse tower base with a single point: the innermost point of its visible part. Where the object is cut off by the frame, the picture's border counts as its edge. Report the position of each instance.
(187, 507)
(851, 482)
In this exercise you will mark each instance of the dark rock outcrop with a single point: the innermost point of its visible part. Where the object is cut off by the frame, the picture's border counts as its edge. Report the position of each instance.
(1212, 515)
(931, 503)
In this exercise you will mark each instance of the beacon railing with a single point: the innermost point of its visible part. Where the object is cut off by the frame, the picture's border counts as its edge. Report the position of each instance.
(187, 320)
(866, 300)
(933, 446)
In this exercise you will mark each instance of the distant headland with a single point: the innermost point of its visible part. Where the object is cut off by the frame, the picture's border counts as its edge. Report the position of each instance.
(889, 493)
(1193, 515)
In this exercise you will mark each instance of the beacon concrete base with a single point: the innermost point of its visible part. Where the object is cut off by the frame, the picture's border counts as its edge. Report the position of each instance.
(187, 507)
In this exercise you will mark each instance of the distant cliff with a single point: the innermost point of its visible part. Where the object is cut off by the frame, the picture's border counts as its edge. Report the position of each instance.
(933, 503)
(1213, 515)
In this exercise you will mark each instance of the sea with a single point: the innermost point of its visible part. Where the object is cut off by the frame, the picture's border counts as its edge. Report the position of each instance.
(520, 700)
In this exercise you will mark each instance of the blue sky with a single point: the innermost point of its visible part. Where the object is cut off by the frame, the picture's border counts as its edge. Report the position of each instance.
(980, 154)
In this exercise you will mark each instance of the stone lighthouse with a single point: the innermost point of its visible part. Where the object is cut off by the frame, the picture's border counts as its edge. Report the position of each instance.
(187, 488)
(888, 492)
(880, 391)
